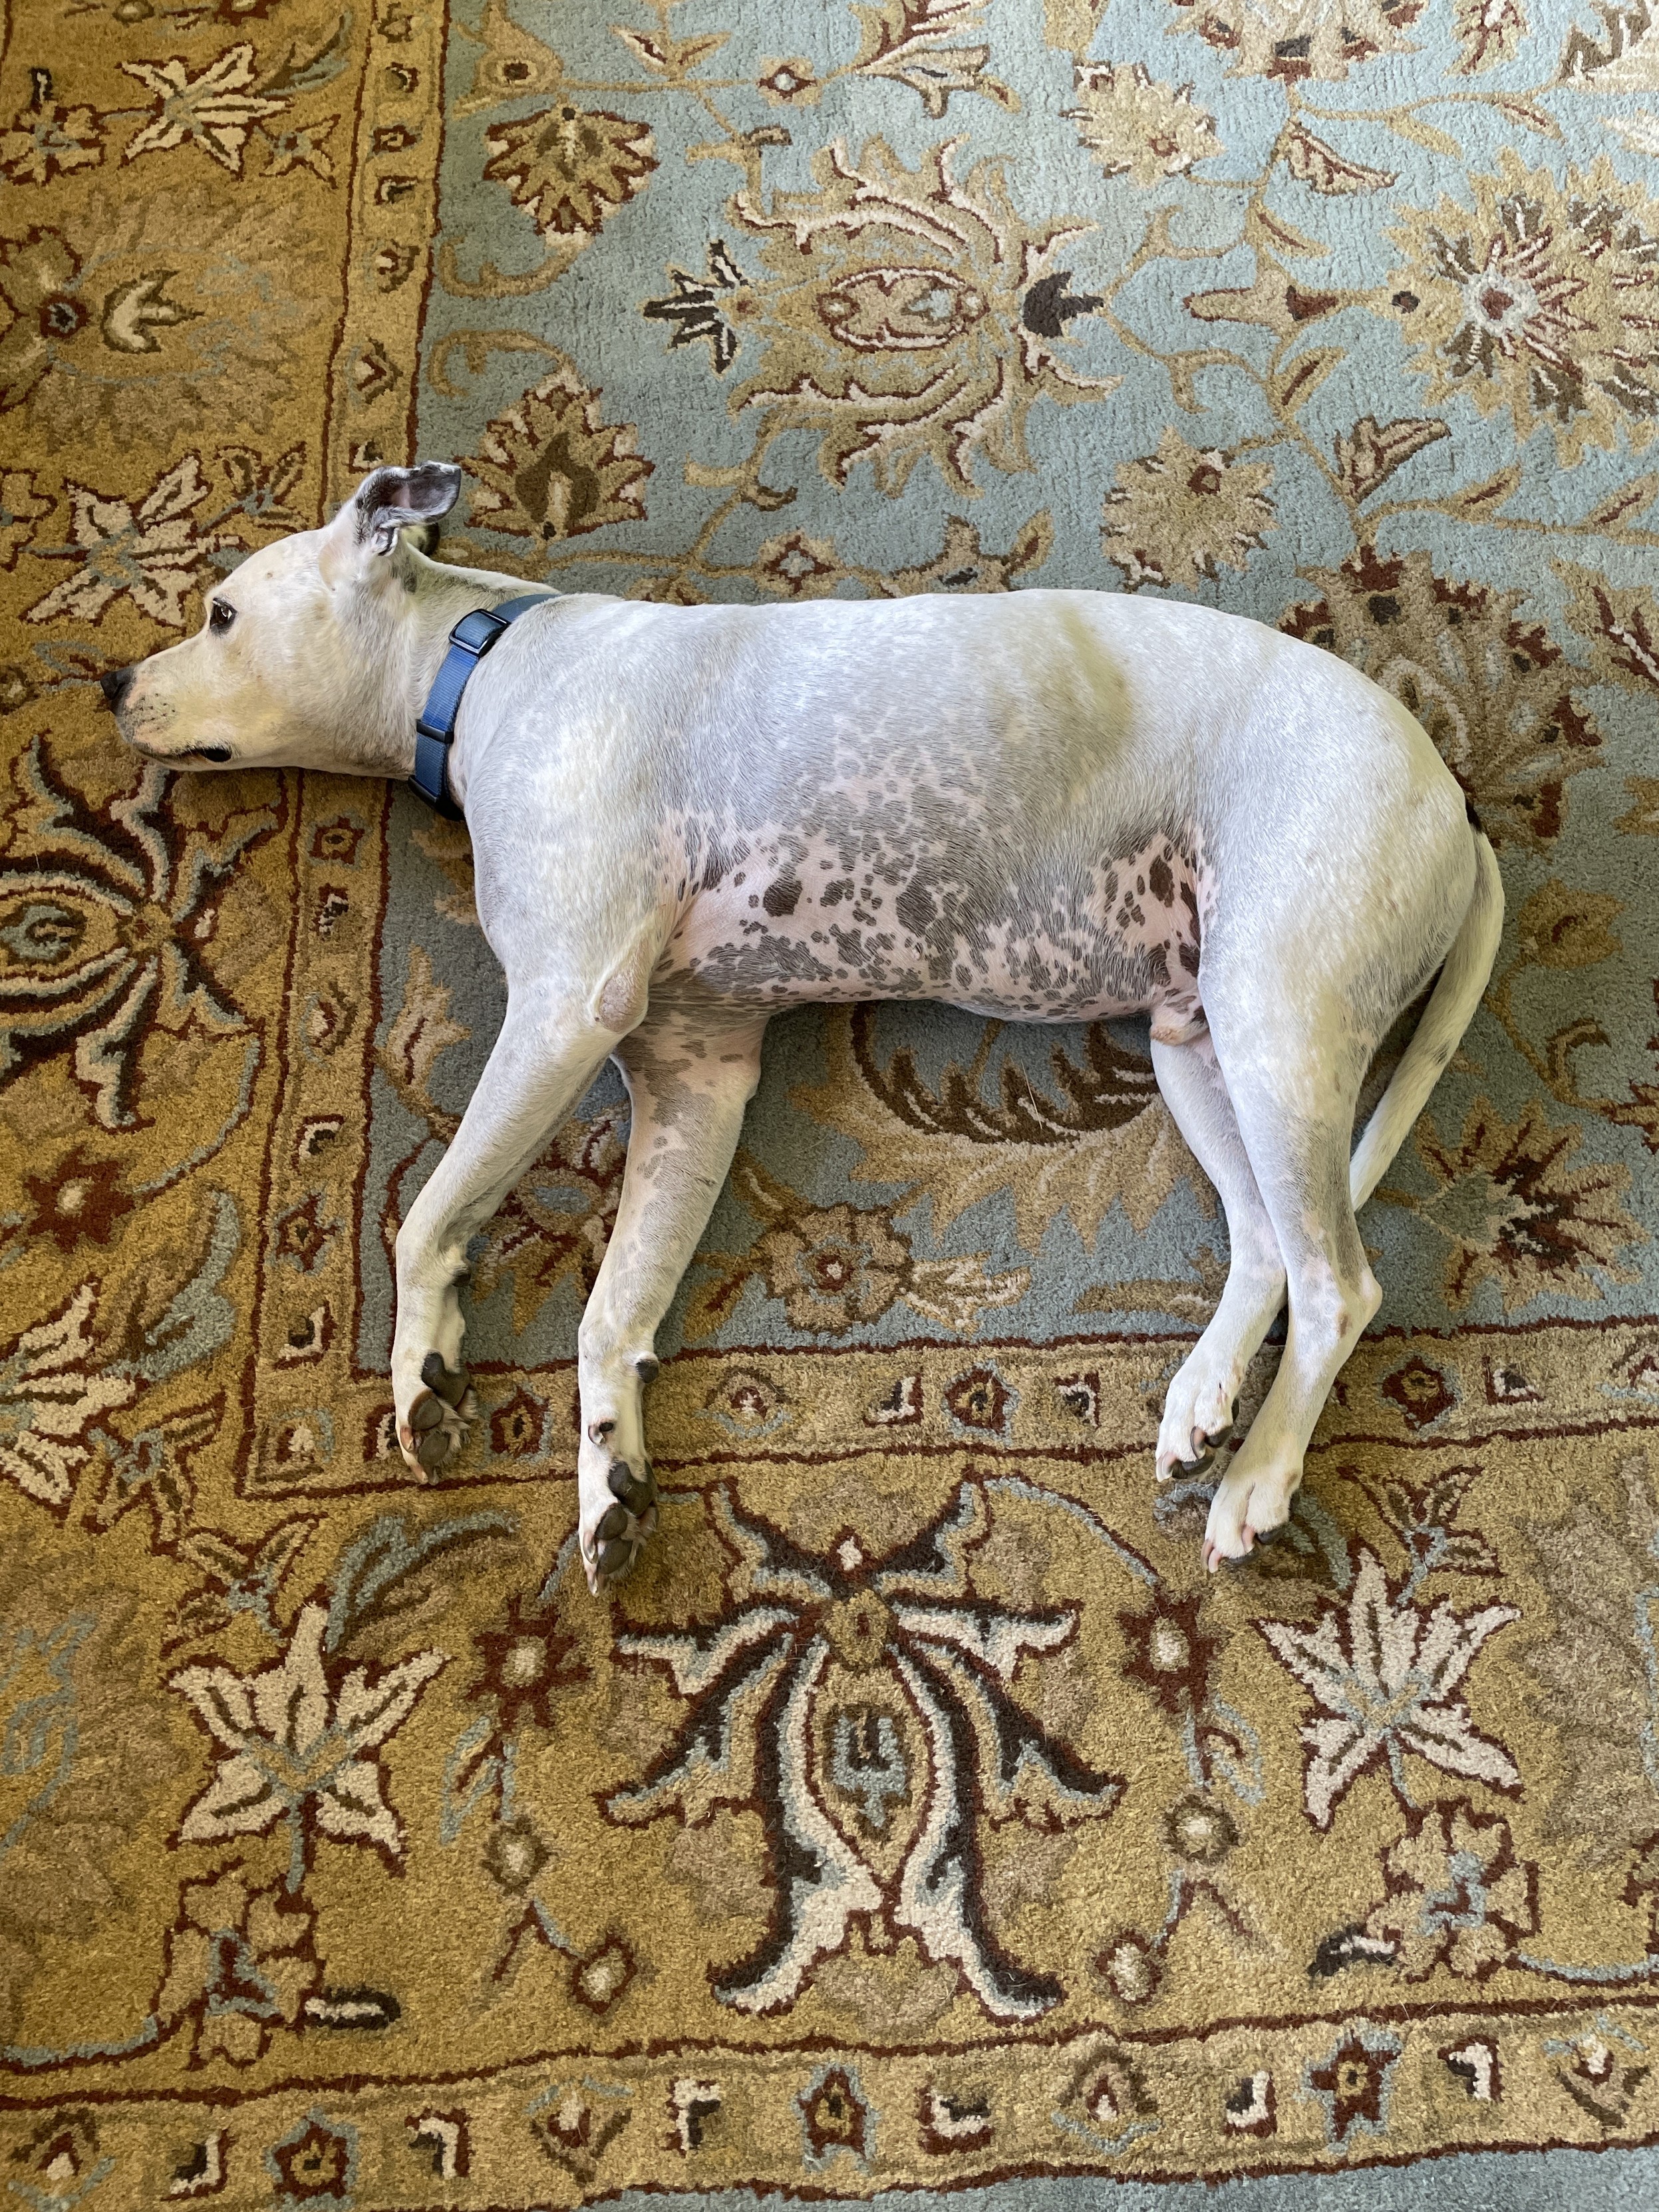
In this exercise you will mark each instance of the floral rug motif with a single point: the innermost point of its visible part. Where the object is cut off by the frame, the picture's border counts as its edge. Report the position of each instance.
(919, 1817)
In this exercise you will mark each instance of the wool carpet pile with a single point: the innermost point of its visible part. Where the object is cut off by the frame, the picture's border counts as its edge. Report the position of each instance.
(919, 1818)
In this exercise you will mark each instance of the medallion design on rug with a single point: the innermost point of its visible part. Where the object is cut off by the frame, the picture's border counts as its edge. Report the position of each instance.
(863, 1706)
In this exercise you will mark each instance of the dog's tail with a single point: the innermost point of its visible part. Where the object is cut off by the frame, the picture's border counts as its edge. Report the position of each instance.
(1450, 1006)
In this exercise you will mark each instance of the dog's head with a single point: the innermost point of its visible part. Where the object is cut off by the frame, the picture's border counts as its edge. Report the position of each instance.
(299, 660)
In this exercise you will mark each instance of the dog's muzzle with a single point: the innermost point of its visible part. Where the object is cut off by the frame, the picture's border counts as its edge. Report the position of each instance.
(116, 682)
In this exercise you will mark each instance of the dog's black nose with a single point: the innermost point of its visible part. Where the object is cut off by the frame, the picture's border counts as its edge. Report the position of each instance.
(113, 684)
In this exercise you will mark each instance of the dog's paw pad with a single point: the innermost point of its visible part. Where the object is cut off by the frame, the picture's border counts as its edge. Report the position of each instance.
(619, 1534)
(438, 1424)
(451, 1384)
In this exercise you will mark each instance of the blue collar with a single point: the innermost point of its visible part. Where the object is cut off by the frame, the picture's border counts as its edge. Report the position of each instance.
(469, 641)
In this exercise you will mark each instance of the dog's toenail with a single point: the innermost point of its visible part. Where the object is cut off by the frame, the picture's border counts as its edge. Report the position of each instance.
(425, 1414)
(598, 1431)
(648, 1368)
(614, 1557)
(613, 1523)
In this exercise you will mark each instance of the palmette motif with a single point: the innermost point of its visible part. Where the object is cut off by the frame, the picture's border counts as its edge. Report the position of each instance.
(912, 1816)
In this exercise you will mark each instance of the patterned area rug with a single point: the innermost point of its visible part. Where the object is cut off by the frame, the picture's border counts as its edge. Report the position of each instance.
(919, 1818)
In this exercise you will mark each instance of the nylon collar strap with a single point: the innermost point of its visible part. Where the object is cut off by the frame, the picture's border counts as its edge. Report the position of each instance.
(469, 641)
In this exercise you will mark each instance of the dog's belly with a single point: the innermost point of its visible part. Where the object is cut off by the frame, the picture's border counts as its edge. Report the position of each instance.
(787, 921)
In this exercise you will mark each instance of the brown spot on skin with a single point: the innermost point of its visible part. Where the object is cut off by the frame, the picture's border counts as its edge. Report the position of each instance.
(1161, 883)
(782, 897)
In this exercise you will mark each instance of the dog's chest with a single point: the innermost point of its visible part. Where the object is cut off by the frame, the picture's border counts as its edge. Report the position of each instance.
(991, 924)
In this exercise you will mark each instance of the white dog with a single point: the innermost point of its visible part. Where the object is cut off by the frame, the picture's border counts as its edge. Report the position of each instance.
(1043, 806)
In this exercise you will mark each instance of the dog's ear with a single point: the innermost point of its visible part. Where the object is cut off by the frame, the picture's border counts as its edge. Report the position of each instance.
(391, 499)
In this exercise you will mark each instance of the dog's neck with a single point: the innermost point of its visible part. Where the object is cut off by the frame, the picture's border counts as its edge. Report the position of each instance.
(425, 601)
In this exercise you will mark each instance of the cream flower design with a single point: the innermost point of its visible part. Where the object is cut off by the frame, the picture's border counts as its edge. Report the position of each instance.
(241, 1961)
(214, 111)
(48, 141)
(1177, 515)
(49, 1391)
(1457, 1896)
(1137, 127)
(1384, 1670)
(151, 552)
(296, 1746)
(1540, 300)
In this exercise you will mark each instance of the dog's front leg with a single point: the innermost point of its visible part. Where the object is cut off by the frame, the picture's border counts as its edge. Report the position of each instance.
(549, 1051)
(690, 1078)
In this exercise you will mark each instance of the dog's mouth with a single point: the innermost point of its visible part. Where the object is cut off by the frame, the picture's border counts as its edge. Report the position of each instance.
(188, 757)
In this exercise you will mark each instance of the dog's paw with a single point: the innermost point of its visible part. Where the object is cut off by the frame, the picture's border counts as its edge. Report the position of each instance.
(1197, 1423)
(1245, 1507)
(613, 1535)
(440, 1419)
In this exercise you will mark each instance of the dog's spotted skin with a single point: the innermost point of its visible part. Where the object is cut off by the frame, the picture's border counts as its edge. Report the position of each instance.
(1042, 805)
(868, 921)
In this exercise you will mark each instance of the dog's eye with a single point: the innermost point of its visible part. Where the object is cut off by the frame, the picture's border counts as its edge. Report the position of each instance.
(221, 615)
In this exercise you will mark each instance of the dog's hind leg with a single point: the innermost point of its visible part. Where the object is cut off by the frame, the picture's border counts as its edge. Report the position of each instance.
(1293, 1085)
(1198, 1407)
(545, 1057)
(690, 1079)
(1293, 1046)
